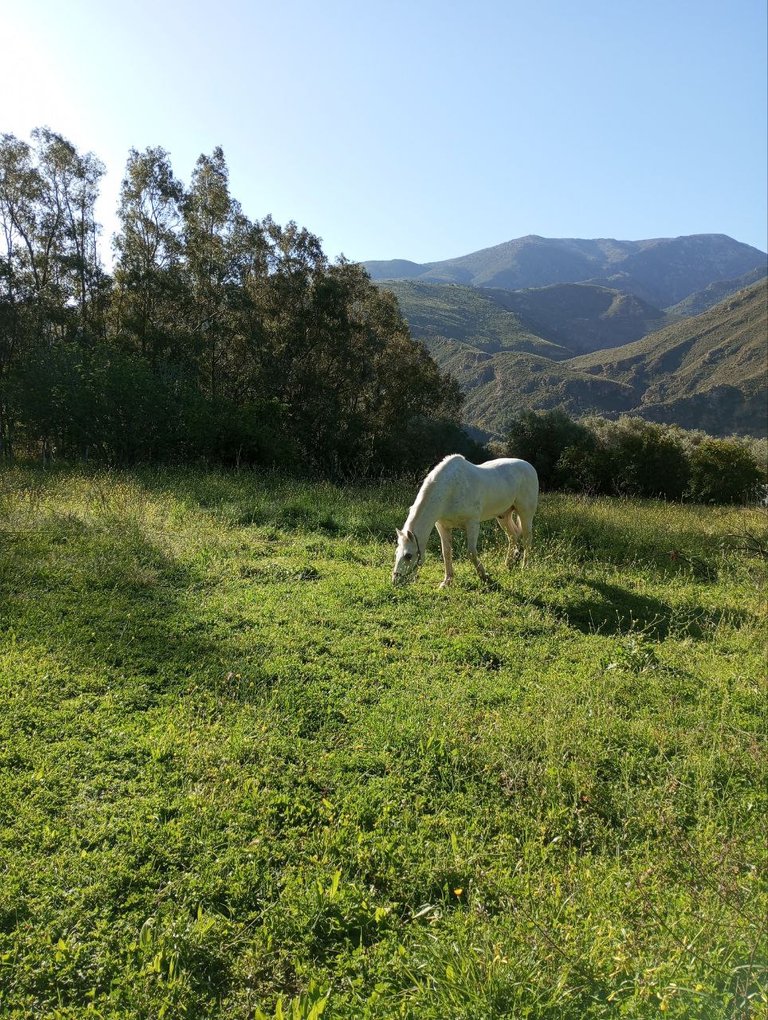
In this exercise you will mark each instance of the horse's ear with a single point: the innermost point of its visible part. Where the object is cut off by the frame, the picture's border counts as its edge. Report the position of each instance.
(410, 536)
(399, 533)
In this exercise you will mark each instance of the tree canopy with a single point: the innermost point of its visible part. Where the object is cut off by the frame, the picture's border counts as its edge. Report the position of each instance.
(214, 336)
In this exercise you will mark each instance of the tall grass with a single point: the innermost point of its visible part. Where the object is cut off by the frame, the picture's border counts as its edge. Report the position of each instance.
(241, 775)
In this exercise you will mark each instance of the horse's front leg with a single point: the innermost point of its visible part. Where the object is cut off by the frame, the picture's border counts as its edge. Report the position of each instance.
(473, 533)
(446, 544)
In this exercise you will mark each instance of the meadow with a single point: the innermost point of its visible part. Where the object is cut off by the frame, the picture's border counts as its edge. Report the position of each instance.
(243, 776)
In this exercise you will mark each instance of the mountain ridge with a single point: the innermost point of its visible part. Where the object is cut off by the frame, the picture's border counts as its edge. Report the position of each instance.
(597, 326)
(706, 371)
(662, 271)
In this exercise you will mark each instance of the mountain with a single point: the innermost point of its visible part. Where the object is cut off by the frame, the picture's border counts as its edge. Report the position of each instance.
(699, 302)
(483, 319)
(500, 386)
(557, 321)
(661, 271)
(582, 317)
(673, 329)
(707, 371)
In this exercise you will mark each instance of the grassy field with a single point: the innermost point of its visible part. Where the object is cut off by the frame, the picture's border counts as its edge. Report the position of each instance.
(242, 776)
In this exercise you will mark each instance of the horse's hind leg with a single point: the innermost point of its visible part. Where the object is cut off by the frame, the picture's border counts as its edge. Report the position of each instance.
(526, 532)
(473, 533)
(511, 528)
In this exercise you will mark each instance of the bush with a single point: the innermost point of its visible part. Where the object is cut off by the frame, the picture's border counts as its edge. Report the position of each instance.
(721, 471)
(542, 437)
(645, 459)
(634, 457)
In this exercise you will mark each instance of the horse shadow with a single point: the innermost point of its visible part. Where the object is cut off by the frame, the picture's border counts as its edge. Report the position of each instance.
(610, 609)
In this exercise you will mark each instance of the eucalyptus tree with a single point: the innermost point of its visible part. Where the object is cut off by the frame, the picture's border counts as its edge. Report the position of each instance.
(283, 295)
(71, 182)
(53, 284)
(342, 360)
(398, 402)
(149, 251)
(32, 221)
(212, 221)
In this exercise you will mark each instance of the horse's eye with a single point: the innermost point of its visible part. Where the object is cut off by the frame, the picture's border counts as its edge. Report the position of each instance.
(408, 556)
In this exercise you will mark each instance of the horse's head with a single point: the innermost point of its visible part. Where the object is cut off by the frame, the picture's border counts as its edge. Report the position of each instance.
(408, 557)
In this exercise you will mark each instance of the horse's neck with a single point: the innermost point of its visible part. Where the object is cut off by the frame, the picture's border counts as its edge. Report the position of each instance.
(424, 512)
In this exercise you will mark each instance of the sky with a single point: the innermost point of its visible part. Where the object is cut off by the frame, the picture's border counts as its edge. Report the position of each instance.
(417, 129)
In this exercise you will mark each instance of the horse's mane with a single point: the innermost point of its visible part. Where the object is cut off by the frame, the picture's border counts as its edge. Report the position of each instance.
(431, 484)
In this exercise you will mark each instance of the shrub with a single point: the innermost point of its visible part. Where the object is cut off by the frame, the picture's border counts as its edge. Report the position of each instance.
(721, 471)
(541, 437)
(645, 459)
(634, 457)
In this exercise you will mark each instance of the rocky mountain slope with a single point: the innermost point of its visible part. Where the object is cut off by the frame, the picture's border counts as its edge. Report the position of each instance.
(707, 371)
(672, 329)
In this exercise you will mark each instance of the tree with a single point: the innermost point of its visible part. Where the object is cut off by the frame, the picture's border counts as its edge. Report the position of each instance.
(541, 437)
(54, 288)
(211, 219)
(71, 187)
(644, 459)
(226, 339)
(148, 283)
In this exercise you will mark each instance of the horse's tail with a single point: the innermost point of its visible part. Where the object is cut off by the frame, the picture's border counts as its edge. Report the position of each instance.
(517, 527)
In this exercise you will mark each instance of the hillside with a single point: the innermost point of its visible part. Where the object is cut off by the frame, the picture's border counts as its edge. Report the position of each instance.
(484, 320)
(704, 372)
(661, 271)
(583, 317)
(712, 295)
(498, 387)
(557, 322)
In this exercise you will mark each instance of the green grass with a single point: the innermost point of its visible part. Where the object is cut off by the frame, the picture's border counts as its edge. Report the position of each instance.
(243, 776)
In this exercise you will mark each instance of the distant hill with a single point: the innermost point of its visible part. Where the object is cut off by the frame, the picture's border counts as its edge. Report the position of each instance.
(712, 295)
(557, 321)
(670, 328)
(661, 271)
(707, 371)
(582, 317)
(482, 319)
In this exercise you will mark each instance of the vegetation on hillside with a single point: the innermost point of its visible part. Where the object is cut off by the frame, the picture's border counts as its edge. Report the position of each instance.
(243, 776)
(216, 337)
(703, 300)
(709, 372)
(633, 457)
(514, 352)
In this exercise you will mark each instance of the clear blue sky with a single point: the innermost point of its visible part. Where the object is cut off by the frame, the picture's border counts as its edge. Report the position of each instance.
(421, 129)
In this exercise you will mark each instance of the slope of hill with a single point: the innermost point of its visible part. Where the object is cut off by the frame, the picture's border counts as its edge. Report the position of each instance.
(662, 271)
(708, 372)
(557, 321)
(472, 316)
(583, 317)
(704, 372)
(500, 386)
(712, 295)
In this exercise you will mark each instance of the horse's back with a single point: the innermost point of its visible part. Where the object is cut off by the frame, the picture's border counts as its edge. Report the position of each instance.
(518, 474)
(482, 491)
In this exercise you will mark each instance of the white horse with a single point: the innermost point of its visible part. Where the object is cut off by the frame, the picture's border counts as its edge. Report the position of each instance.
(457, 494)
